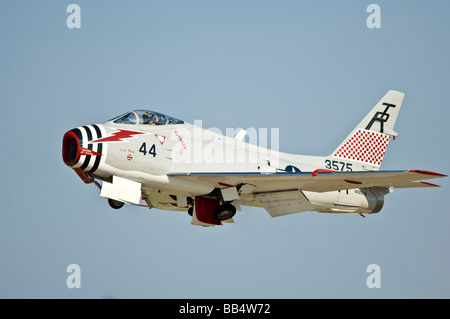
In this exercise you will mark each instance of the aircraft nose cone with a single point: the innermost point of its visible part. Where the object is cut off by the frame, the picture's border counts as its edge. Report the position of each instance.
(71, 147)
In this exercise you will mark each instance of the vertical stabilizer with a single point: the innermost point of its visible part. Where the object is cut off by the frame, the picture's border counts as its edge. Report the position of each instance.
(367, 143)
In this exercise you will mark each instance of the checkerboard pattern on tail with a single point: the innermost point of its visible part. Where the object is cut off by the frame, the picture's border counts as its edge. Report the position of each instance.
(364, 146)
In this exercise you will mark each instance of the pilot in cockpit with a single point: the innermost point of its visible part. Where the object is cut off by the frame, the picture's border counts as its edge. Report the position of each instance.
(150, 118)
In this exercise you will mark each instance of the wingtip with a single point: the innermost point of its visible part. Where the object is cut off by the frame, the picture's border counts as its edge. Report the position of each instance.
(427, 173)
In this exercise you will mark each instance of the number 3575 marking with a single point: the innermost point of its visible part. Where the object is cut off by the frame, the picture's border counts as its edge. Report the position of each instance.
(338, 166)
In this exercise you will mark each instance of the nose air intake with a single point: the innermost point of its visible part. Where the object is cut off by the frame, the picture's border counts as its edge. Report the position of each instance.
(80, 148)
(71, 148)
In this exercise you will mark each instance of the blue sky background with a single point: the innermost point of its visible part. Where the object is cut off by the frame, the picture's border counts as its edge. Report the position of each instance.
(313, 69)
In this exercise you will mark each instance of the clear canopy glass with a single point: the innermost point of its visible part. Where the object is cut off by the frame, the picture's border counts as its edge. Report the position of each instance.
(146, 117)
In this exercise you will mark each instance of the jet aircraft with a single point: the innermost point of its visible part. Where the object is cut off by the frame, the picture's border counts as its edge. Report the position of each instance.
(150, 156)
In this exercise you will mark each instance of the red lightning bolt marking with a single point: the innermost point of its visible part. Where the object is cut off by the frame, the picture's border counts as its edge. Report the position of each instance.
(118, 136)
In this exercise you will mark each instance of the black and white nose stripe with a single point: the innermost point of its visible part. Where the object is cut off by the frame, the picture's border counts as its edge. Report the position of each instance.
(87, 137)
(90, 133)
(101, 147)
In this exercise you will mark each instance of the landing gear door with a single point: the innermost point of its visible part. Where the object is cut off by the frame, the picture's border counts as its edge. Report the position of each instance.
(122, 190)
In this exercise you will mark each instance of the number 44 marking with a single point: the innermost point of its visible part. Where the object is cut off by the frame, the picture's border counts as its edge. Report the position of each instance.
(151, 151)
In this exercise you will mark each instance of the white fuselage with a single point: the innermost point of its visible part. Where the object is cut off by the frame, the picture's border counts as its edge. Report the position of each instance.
(148, 158)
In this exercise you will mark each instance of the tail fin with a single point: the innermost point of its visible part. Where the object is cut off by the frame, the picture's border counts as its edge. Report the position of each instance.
(367, 143)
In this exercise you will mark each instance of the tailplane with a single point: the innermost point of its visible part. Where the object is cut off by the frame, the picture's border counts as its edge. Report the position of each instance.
(367, 143)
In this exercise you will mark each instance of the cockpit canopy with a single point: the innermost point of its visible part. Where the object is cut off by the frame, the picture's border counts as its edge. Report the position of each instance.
(146, 117)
